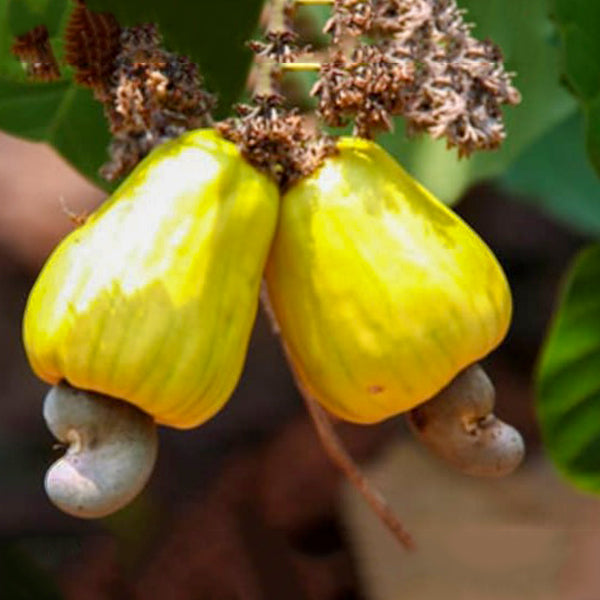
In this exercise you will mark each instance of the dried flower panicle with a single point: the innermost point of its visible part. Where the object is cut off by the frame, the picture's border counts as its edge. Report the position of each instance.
(155, 95)
(461, 83)
(276, 140)
(33, 48)
(425, 66)
(149, 95)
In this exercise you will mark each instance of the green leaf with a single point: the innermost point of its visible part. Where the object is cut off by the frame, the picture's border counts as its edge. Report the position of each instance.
(213, 34)
(62, 114)
(528, 41)
(24, 15)
(579, 23)
(568, 379)
(555, 174)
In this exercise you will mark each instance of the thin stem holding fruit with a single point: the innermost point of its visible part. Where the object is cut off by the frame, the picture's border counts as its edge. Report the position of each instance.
(334, 447)
(340, 457)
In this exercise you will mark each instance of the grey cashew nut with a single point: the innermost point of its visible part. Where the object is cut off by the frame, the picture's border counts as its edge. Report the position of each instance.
(111, 452)
(459, 426)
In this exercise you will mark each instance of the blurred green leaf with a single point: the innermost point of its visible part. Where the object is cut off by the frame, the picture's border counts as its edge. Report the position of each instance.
(62, 114)
(213, 34)
(24, 15)
(555, 174)
(579, 23)
(22, 579)
(528, 41)
(568, 404)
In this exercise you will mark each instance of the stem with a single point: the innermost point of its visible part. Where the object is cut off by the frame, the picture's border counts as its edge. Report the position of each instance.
(337, 453)
(334, 447)
(301, 66)
(313, 2)
(276, 20)
(267, 71)
(263, 85)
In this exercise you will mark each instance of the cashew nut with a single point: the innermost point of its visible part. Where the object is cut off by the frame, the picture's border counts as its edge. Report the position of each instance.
(111, 452)
(458, 425)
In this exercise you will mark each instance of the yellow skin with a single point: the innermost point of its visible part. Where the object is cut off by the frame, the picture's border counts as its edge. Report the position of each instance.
(382, 293)
(154, 298)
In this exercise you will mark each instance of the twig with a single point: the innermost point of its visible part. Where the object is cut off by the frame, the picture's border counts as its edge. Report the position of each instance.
(334, 447)
(337, 453)
(301, 66)
(267, 70)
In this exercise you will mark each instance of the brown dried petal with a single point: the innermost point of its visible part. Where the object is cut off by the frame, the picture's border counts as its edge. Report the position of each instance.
(33, 48)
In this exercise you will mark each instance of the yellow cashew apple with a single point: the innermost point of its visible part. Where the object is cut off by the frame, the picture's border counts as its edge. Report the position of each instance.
(153, 299)
(382, 294)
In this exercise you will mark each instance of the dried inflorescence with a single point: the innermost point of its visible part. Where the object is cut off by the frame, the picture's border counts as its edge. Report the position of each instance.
(424, 65)
(276, 140)
(149, 95)
(33, 48)
(155, 95)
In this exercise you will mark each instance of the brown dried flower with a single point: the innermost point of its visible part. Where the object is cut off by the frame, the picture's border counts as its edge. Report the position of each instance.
(279, 46)
(350, 18)
(424, 65)
(149, 95)
(461, 82)
(33, 48)
(277, 141)
(154, 96)
(367, 87)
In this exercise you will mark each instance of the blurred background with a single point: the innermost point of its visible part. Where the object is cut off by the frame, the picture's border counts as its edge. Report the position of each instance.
(248, 506)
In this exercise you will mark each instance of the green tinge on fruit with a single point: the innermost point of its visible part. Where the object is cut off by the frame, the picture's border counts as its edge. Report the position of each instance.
(382, 293)
(153, 299)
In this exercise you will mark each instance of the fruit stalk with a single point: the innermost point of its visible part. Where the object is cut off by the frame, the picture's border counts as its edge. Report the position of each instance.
(340, 457)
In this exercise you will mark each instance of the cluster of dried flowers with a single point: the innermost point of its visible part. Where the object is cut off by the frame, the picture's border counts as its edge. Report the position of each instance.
(423, 64)
(149, 95)
(274, 138)
(279, 46)
(412, 58)
(154, 96)
(277, 140)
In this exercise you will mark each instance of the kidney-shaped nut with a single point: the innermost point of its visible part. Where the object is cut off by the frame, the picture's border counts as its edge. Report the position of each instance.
(459, 426)
(111, 452)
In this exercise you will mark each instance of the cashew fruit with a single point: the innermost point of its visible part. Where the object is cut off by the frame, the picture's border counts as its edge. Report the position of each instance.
(382, 294)
(153, 299)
